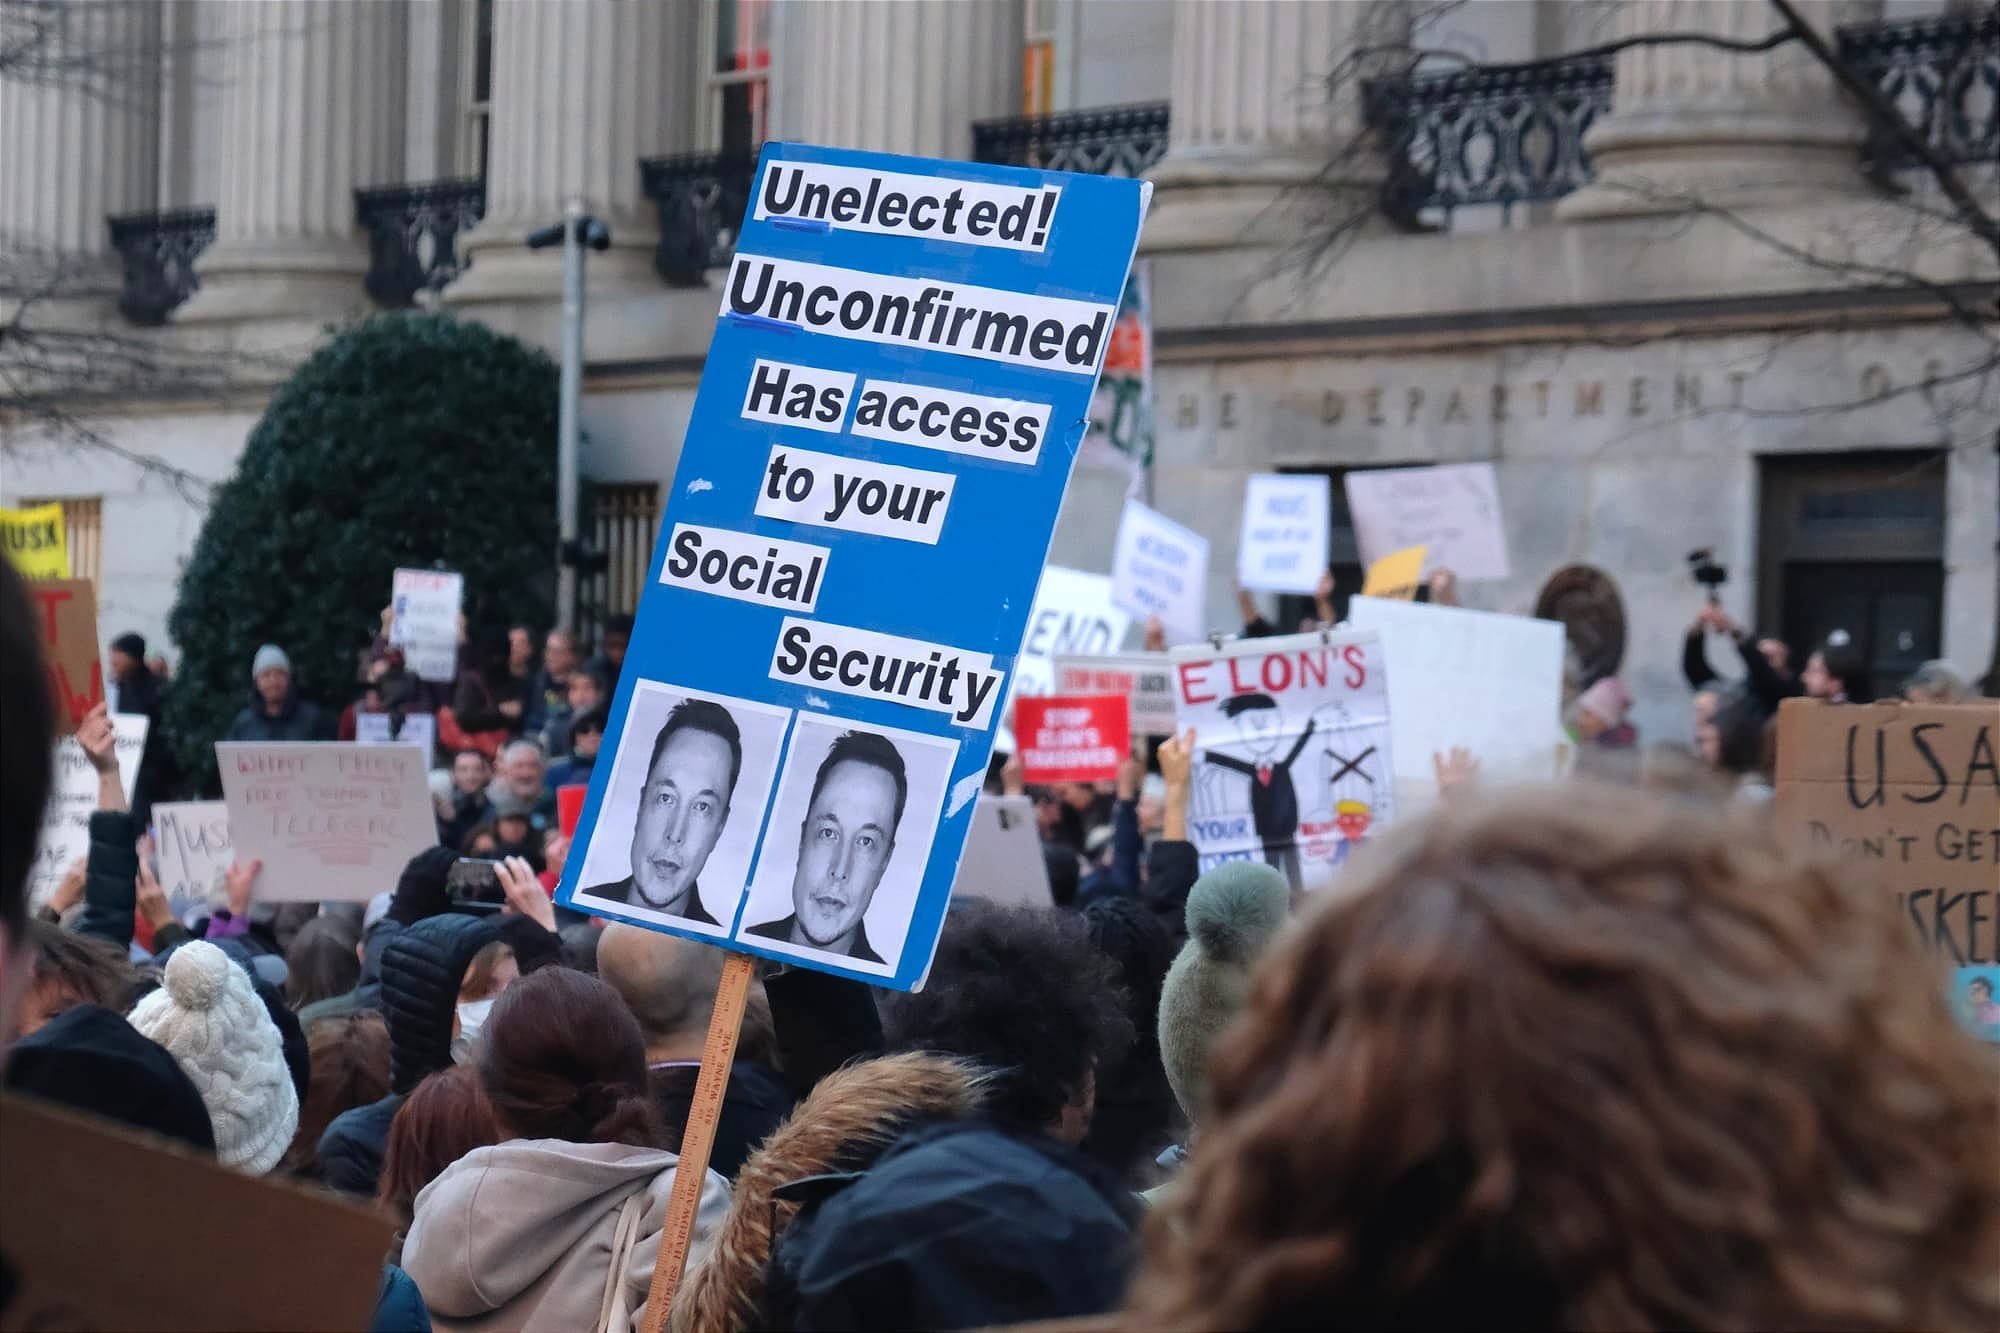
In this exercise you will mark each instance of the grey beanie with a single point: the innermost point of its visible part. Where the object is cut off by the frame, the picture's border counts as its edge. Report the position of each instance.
(1233, 912)
(270, 655)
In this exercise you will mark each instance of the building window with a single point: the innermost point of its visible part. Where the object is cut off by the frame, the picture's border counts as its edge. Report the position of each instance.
(738, 99)
(1038, 57)
(83, 531)
(1854, 542)
(476, 97)
(621, 520)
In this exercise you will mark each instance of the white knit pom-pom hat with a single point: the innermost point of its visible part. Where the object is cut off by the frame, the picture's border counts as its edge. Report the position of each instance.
(209, 1018)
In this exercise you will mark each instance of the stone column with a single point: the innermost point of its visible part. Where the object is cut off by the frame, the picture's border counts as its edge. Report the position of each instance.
(895, 76)
(312, 107)
(1256, 123)
(1697, 126)
(79, 140)
(582, 89)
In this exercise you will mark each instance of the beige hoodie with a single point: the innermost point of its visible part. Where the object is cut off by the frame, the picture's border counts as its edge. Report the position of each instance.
(518, 1235)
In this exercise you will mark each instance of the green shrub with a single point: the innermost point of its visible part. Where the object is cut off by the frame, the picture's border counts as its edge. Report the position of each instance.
(410, 440)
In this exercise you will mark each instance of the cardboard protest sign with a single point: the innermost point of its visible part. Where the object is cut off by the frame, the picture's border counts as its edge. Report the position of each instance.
(1003, 855)
(191, 840)
(1453, 508)
(1293, 763)
(1073, 613)
(1488, 682)
(1160, 568)
(1396, 575)
(1121, 410)
(81, 1190)
(1287, 526)
(426, 603)
(418, 729)
(329, 819)
(66, 615)
(65, 835)
(36, 541)
(1072, 738)
(1144, 679)
(891, 403)
(1913, 793)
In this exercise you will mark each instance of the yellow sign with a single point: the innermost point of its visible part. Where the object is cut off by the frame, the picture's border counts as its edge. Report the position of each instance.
(36, 541)
(1396, 575)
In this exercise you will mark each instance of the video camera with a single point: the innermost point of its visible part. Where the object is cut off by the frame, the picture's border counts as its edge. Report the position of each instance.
(1707, 572)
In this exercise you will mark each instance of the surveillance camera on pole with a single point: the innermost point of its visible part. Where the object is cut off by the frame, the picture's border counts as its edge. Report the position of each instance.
(576, 231)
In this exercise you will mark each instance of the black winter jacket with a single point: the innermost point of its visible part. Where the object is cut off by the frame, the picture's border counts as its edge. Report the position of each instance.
(959, 1225)
(297, 720)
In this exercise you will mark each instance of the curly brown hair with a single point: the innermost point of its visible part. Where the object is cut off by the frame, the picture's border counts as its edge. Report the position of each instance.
(1589, 1059)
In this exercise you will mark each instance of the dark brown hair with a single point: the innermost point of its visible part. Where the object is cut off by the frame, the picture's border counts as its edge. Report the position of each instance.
(560, 1057)
(1589, 1059)
(320, 962)
(67, 969)
(24, 747)
(348, 1055)
(445, 1117)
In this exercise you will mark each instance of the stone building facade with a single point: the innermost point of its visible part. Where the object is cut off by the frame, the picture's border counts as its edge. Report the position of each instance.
(1681, 294)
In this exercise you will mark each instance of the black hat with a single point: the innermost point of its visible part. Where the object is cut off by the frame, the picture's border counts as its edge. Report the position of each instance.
(91, 1059)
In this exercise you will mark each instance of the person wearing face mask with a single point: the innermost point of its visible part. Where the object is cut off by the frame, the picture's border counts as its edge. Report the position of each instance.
(492, 970)
(423, 967)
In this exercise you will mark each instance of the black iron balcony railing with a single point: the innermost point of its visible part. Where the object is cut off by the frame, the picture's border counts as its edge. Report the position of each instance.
(1104, 140)
(159, 250)
(413, 235)
(1490, 134)
(1943, 74)
(701, 197)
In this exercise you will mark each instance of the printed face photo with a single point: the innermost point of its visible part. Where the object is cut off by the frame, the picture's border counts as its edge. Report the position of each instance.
(849, 837)
(690, 781)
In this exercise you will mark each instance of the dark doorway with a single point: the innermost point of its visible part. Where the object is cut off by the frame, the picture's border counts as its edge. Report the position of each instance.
(1855, 542)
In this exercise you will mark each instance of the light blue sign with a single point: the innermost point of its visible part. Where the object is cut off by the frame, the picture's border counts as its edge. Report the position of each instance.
(894, 395)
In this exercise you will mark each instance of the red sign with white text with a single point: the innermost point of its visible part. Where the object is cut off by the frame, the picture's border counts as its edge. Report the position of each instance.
(1072, 738)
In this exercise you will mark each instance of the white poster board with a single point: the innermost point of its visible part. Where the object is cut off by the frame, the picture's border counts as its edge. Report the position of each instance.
(191, 840)
(1143, 678)
(1073, 614)
(1491, 683)
(426, 603)
(1003, 856)
(1454, 509)
(1293, 764)
(329, 819)
(1160, 568)
(72, 797)
(1287, 523)
(419, 729)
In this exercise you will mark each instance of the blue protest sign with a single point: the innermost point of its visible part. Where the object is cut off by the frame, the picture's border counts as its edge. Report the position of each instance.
(895, 392)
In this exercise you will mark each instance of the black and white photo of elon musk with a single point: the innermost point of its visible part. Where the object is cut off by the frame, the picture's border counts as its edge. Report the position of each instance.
(866, 803)
(693, 808)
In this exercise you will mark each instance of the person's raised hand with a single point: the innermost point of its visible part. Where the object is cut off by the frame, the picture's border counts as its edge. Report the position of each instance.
(388, 619)
(1444, 587)
(525, 895)
(1013, 777)
(555, 853)
(241, 880)
(153, 906)
(1131, 773)
(99, 740)
(70, 891)
(461, 627)
(1454, 769)
(1156, 635)
(1176, 764)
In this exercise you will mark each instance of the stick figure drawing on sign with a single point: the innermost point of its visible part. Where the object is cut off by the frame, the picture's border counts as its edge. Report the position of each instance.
(1274, 802)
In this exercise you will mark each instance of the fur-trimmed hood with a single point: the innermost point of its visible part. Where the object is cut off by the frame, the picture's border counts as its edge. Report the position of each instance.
(849, 1119)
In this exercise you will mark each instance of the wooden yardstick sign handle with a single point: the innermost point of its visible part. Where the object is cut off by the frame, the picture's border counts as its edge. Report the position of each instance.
(717, 1055)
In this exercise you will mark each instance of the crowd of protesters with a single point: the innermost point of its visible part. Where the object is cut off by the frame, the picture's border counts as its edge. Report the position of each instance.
(1586, 1057)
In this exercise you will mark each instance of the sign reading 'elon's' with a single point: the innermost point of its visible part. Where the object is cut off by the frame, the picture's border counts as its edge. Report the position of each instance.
(893, 398)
